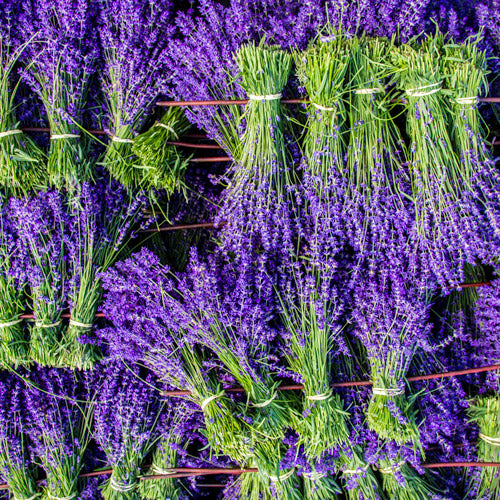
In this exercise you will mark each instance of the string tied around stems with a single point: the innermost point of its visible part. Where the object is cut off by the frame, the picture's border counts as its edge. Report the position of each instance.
(494, 441)
(208, 400)
(373, 90)
(266, 402)
(122, 488)
(421, 91)
(388, 391)
(163, 472)
(320, 397)
(168, 127)
(120, 139)
(53, 497)
(266, 97)
(314, 475)
(32, 497)
(64, 136)
(322, 108)
(391, 469)
(85, 326)
(40, 324)
(359, 470)
(10, 132)
(12, 322)
(281, 477)
(467, 101)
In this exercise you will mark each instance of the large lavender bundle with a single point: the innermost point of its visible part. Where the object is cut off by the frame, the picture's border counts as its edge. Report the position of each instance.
(41, 223)
(58, 428)
(126, 416)
(14, 343)
(102, 219)
(133, 36)
(16, 464)
(22, 163)
(60, 62)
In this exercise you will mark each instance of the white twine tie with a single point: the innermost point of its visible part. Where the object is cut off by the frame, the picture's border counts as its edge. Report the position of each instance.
(208, 400)
(359, 470)
(10, 323)
(36, 495)
(417, 92)
(122, 488)
(10, 132)
(86, 326)
(39, 324)
(283, 477)
(490, 440)
(373, 90)
(168, 127)
(49, 494)
(314, 475)
(319, 397)
(322, 108)
(265, 403)
(64, 136)
(268, 97)
(382, 391)
(119, 139)
(163, 472)
(467, 100)
(391, 469)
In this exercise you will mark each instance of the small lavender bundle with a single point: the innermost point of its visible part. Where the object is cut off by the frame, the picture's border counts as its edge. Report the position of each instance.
(133, 36)
(127, 408)
(58, 428)
(60, 63)
(485, 412)
(14, 345)
(162, 164)
(16, 465)
(41, 223)
(102, 219)
(22, 163)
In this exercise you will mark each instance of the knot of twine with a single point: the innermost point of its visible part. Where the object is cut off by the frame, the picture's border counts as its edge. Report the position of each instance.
(10, 132)
(494, 441)
(417, 92)
(467, 100)
(164, 472)
(314, 475)
(266, 402)
(86, 326)
(64, 136)
(49, 494)
(119, 139)
(168, 127)
(374, 90)
(391, 469)
(122, 488)
(383, 391)
(320, 397)
(208, 400)
(322, 108)
(282, 477)
(39, 324)
(11, 322)
(268, 97)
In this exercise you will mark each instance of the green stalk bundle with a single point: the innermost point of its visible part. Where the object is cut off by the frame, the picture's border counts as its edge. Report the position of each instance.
(486, 413)
(322, 422)
(416, 486)
(319, 486)
(22, 163)
(374, 138)
(264, 72)
(163, 165)
(257, 486)
(435, 170)
(465, 78)
(322, 71)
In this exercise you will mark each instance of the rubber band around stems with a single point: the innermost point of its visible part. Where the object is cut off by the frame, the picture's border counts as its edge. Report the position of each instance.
(415, 92)
(374, 90)
(268, 97)
(86, 326)
(121, 488)
(52, 325)
(164, 472)
(64, 136)
(119, 139)
(494, 441)
(359, 470)
(382, 391)
(168, 127)
(208, 400)
(11, 323)
(322, 108)
(10, 132)
(266, 402)
(283, 477)
(467, 100)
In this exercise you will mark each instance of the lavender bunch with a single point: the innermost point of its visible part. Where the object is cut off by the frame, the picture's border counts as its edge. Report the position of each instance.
(126, 415)
(16, 467)
(485, 412)
(58, 428)
(22, 163)
(133, 36)
(61, 62)
(162, 163)
(101, 222)
(41, 224)
(13, 342)
(146, 331)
